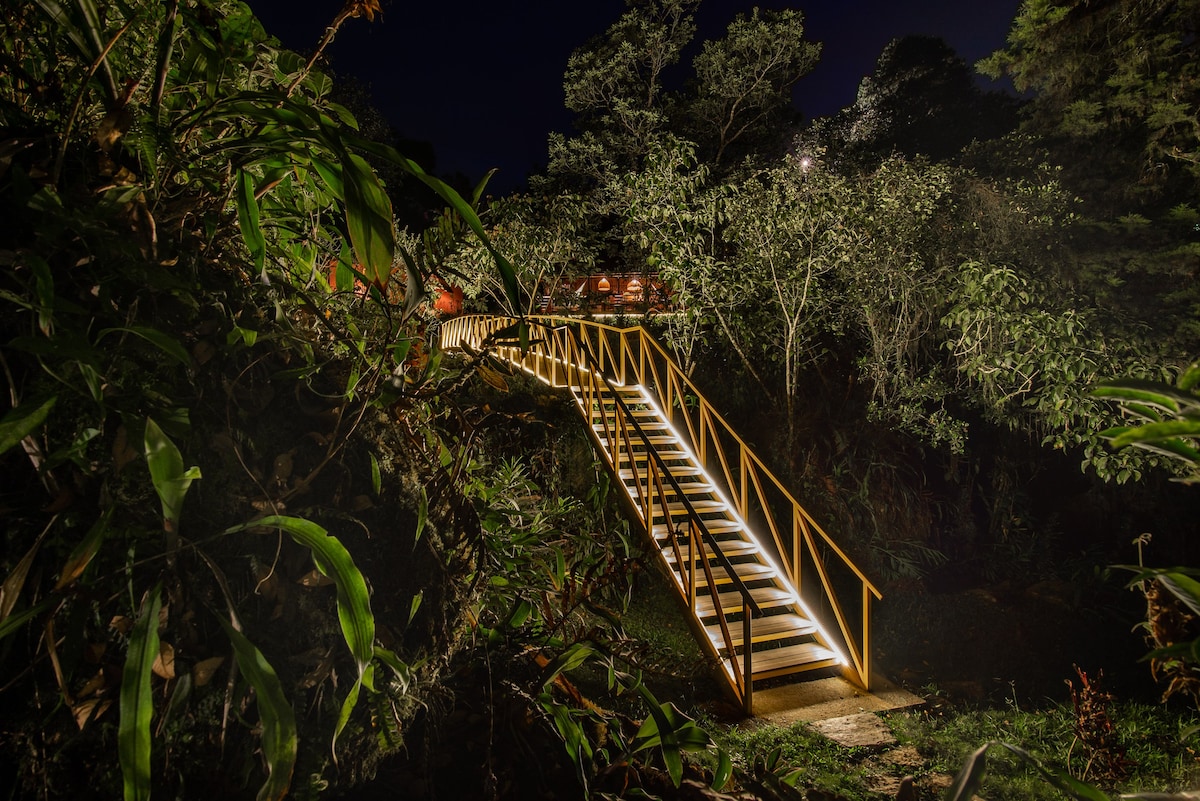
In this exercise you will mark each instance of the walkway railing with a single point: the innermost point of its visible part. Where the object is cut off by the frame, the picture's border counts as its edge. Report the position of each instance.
(579, 353)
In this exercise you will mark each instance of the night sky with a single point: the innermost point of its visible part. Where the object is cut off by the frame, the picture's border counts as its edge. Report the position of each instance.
(482, 81)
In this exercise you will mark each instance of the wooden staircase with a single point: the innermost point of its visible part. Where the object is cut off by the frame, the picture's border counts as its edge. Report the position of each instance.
(739, 548)
(783, 638)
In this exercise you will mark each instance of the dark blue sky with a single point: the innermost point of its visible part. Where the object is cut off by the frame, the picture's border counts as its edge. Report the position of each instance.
(482, 80)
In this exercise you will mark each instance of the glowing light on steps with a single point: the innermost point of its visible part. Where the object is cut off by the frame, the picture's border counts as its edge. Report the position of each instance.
(732, 510)
(762, 552)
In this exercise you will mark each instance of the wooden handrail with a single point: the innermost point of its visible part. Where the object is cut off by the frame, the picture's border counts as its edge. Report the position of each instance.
(638, 356)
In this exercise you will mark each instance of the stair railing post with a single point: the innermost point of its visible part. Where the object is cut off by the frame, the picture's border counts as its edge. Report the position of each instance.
(623, 355)
(797, 552)
(747, 659)
(866, 637)
(743, 499)
(694, 552)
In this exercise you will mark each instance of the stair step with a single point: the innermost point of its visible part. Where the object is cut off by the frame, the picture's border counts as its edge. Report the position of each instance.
(646, 423)
(661, 531)
(763, 629)
(604, 399)
(791, 659)
(655, 440)
(621, 390)
(645, 416)
(665, 455)
(746, 571)
(731, 602)
(731, 548)
(699, 505)
(636, 409)
(657, 437)
(677, 470)
(688, 488)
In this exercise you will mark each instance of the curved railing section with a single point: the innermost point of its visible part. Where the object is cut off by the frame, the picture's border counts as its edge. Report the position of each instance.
(597, 359)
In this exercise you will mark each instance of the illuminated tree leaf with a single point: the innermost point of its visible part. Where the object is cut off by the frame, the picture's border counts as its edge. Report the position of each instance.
(332, 559)
(23, 421)
(279, 739)
(369, 220)
(137, 704)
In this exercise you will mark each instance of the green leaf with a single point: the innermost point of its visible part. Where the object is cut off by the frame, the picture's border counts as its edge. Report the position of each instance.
(331, 174)
(400, 350)
(1173, 448)
(10, 590)
(414, 287)
(163, 342)
(369, 220)
(348, 707)
(335, 562)
(568, 660)
(247, 335)
(422, 515)
(1183, 587)
(14, 622)
(520, 614)
(967, 782)
(724, 770)
(85, 551)
(579, 749)
(508, 275)
(43, 285)
(137, 704)
(170, 480)
(89, 41)
(184, 685)
(1154, 432)
(1189, 379)
(1148, 392)
(670, 730)
(404, 673)
(23, 421)
(376, 479)
(1057, 777)
(279, 739)
(414, 605)
(247, 210)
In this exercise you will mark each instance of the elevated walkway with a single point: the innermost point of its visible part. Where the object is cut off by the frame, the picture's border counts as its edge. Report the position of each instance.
(737, 545)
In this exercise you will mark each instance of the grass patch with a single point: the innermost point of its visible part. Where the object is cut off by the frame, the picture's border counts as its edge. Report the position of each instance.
(1159, 759)
(821, 764)
(656, 619)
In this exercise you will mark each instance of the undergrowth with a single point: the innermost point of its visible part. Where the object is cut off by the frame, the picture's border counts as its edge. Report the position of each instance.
(1160, 758)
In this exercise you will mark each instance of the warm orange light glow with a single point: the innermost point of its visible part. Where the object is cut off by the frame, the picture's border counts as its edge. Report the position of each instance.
(603, 284)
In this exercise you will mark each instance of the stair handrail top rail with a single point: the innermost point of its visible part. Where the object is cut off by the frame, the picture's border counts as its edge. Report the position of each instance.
(693, 515)
(762, 467)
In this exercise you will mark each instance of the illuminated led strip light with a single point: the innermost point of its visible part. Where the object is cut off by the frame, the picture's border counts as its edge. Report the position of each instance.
(715, 490)
(763, 552)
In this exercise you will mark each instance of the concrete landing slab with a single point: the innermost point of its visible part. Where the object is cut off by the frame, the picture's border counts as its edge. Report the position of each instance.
(832, 697)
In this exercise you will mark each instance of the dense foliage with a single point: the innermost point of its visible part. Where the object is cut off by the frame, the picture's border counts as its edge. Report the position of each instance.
(254, 517)
(226, 424)
(934, 262)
